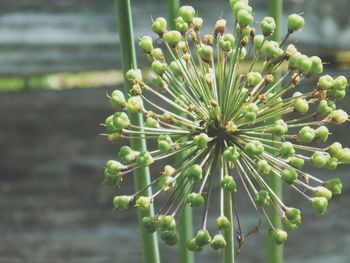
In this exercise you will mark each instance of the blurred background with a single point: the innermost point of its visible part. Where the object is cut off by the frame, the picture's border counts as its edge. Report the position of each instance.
(58, 59)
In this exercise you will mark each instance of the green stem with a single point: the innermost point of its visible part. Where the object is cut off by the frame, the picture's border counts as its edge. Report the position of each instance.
(185, 221)
(228, 234)
(274, 253)
(150, 251)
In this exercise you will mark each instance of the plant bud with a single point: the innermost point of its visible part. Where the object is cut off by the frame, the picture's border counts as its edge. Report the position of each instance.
(146, 44)
(144, 159)
(110, 128)
(181, 25)
(345, 156)
(149, 224)
(195, 199)
(307, 134)
(272, 50)
(287, 149)
(258, 42)
(202, 238)
(268, 26)
(117, 99)
(227, 41)
(332, 163)
(134, 74)
(218, 242)
(164, 143)
(262, 198)
(187, 13)
(293, 215)
(254, 78)
(317, 67)
(143, 202)
(289, 175)
(231, 154)
(334, 185)
(295, 22)
(194, 173)
(335, 150)
(320, 204)
(254, 148)
(228, 184)
(159, 67)
(159, 26)
(222, 223)
(263, 167)
(321, 191)
(166, 223)
(325, 82)
(172, 38)
(201, 140)
(151, 123)
(135, 104)
(301, 106)
(324, 109)
(169, 237)
(244, 18)
(192, 246)
(296, 162)
(340, 83)
(279, 236)
(339, 116)
(122, 201)
(205, 52)
(121, 120)
(280, 128)
(177, 66)
(287, 225)
(322, 133)
(319, 159)
(335, 94)
(126, 154)
(241, 5)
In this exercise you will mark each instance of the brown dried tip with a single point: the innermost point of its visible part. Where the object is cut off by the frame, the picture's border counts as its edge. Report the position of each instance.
(244, 41)
(220, 27)
(269, 78)
(208, 39)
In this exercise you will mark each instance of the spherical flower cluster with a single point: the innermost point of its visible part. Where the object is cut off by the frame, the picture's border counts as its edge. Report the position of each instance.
(230, 119)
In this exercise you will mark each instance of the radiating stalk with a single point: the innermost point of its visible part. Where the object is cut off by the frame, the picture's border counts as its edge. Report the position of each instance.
(274, 253)
(185, 221)
(150, 251)
(228, 234)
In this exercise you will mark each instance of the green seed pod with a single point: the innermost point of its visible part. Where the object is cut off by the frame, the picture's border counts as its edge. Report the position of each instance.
(202, 238)
(228, 184)
(325, 82)
(187, 13)
(166, 223)
(172, 38)
(157, 54)
(254, 78)
(334, 185)
(166, 183)
(296, 162)
(287, 225)
(244, 18)
(254, 148)
(181, 25)
(335, 150)
(319, 159)
(317, 67)
(279, 236)
(340, 83)
(117, 99)
(143, 202)
(295, 22)
(227, 42)
(159, 67)
(301, 106)
(324, 109)
(332, 163)
(304, 64)
(272, 50)
(151, 123)
(280, 128)
(231, 154)
(268, 26)
(110, 128)
(149, 224)
(194, 173)
(222, 223)
(307, 134)
(144, 159)
(194, 199)
(345, 156)
(289, 175)
(338, 116)
(320, 204)
(218, 242)
(111, 178)
(121, 120)
(321, 191)
(263, 167)
(126, 154)
(233, 2)
(135, 104)
(134, 74)
(177, 66)
(293, 215)
(157, 81)
(164, 143)
(122, 201)
(192, 246)
(169, 237)
(336, 94)
(322, 133)
(294, 60)
(114, 166)
(287, 149)
(241, 5)
(258, 42)
(201, 140)
(146, 44)
(262, 198)
(159, 25)
(205, 52)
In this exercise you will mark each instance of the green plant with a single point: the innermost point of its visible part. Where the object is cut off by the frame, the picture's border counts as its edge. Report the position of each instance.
(237, 126)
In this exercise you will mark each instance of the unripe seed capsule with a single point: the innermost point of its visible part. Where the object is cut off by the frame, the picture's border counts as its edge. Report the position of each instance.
(345, 156)
(338, 116)
(117, 99)
(121, 120)
(231, 154)
(293, 215)
(169, 237)
(340, 83)
(307, 134)
(296, 162)
(143, 202)
(218, 242)
(202, 238)
(195, 172)
(301, 106)
(287, 225)
(228, 184)
(334, 185)
(122, 201)
(146, 44)
(150, 224)
(279, 236)
(241, 5)
(172, 38)
(110, 128)
(319, 159)
(325, 82)
(287, 149)
(321, 191)
(268, 26)
(201, 140)
(244, 18)
(322, 133)
(263, 167)
(135, 104)
(317, 67)
(254, 78)
(289, 175)
(262, 198)
(335, 149)
(205, 52)
(134, 74)
(320, 204)
(222, 223)
(187, 13)
(159, 25)
(158, 67)
(295, 22)
(144, 159)
(195, 200)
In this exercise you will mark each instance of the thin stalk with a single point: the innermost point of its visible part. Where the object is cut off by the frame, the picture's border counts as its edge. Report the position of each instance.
(150, 251)
(274, 253)
(185, 220)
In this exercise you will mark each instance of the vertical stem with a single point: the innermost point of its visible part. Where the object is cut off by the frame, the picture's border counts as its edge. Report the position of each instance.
(150, 251)
(228, 234)
(274, 252)
(185, 222)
